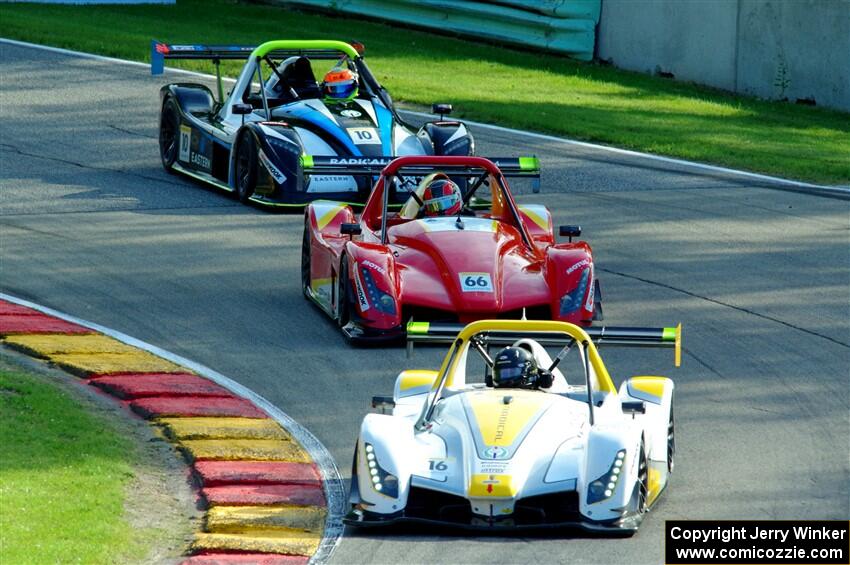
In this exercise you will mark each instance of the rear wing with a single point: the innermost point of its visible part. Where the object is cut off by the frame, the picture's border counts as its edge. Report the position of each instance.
(430, 332)
(314, 49)
(460, 166)
(162, 51)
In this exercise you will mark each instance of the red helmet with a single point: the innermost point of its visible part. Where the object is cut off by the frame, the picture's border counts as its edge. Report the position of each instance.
(442, 197)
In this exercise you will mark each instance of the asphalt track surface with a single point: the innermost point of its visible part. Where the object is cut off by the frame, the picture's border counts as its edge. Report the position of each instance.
(91, 225)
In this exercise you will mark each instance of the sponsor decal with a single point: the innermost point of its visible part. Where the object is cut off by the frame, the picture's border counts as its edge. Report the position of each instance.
(278, 176)
(494, 467)
(475, 282)
(201, 161)
(364, 136)
(496, 452)
(185, 142)
(349, 113)
(201, 151)
(361, 296)
(332, 183)
(371, 265)
(501, 422)
(358, 161)
(583, 263)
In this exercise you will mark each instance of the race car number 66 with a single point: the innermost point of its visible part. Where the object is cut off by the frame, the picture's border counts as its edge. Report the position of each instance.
(476, 282)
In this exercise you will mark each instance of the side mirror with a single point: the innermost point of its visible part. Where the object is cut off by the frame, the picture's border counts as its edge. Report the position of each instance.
(242, 109)
(383, 403)
(350, 229)
(570, 231)
(442, 109)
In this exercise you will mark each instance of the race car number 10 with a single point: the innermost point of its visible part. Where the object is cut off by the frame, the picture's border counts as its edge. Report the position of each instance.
(476, 282)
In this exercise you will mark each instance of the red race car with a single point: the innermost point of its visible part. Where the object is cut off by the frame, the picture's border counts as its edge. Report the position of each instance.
(446, 255)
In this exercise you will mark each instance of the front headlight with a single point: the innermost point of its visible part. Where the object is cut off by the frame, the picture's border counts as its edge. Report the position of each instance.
(604, 487)
(382, 481)
(382, 301)
(572, 300)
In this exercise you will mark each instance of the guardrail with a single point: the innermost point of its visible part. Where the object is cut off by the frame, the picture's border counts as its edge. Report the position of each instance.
(562, 26)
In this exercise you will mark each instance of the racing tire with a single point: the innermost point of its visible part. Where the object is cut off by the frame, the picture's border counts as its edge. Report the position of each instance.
(643, 481)
(246, 167)
(343, 311)
(169, 134)
(306, 251)
(671, 441)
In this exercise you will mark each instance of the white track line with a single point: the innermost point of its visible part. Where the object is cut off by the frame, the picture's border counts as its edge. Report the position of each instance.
(332, 483)
(834, 190)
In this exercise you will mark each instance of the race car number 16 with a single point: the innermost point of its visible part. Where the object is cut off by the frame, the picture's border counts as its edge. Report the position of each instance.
(476, 282)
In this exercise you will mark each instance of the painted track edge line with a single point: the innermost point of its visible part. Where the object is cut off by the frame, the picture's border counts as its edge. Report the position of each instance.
(824, 189)
(333, 484)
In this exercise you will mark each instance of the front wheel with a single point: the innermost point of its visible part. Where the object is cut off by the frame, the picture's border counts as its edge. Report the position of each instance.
(246, 167)
(306, 251)
(343, 313)
(643, 481)
(671, 442)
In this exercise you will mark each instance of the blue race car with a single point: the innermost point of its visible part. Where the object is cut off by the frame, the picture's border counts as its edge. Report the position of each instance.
(251, 142)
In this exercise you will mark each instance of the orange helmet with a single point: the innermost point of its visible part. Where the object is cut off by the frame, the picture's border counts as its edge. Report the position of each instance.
(340, 84)
(442, 197)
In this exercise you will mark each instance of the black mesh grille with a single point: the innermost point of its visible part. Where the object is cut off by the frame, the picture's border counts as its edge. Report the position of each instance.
(551, 508)
(435, 505)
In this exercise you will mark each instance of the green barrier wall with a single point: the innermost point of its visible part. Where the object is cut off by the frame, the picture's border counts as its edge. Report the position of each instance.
(563, 26)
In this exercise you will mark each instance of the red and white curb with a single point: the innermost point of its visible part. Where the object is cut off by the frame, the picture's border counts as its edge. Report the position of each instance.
(273, 492)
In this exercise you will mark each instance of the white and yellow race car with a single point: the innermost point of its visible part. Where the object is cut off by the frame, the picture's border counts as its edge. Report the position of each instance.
(527, 432)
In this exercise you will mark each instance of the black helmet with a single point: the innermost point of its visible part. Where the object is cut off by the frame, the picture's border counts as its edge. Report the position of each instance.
(515, 367)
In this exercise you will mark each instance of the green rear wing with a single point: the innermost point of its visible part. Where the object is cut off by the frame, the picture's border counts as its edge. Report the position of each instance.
(371, 166)
(442, 333)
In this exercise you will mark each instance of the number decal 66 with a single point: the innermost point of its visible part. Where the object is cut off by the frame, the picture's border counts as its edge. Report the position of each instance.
(476, 282)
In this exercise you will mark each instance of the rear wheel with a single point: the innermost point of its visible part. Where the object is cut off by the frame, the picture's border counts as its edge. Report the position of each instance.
(343, 312)
(306, 250)
(169, 134)
(246, 167)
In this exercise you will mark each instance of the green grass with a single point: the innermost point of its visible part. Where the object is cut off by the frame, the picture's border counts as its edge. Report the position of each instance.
(503, 86)
(63, 475)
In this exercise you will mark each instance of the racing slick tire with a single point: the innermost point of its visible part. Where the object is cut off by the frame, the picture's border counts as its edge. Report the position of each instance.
(169, 134)
(643, 481)
(343, 312)
(671, 441)
(246, 167)
(306, 260)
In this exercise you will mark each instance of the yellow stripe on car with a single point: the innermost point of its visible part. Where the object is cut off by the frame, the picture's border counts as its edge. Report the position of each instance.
(653, 386)
(328, 216)
(500, 421)
(533, 213)
(416, 378)
(501, 486)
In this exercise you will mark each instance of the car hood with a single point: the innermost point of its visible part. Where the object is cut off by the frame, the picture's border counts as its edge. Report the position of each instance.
(359, 127)
(477, 267)
(507, 441)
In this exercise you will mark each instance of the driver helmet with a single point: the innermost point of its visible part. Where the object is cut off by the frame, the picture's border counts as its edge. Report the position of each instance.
(442, 197)
(340, 84)
(515, 367)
